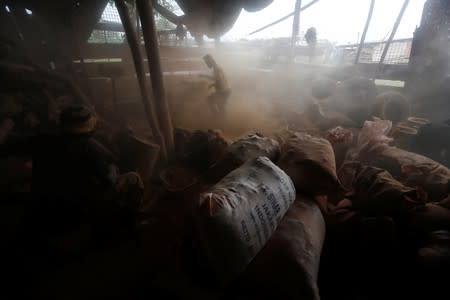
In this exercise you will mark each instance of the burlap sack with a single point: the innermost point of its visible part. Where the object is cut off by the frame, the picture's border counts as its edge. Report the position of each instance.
(199, 149)
(310, 162)
(412, 169)
(288, 266)
(374, 192)
(247, 147)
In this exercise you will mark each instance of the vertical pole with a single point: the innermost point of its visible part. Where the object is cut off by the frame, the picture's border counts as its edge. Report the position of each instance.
(366, 28)
(394, 30)
(145, 10)
(295, 26)
(138, 29)
(140, 73)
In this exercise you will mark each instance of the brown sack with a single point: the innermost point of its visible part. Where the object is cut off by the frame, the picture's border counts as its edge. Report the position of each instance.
(434, 262)
(237, 216)
(310, 163)
(428, 218)
(200, 149)
(375, 192)
(288, 265)
(248, 147)
(412, 169)
(341, 139)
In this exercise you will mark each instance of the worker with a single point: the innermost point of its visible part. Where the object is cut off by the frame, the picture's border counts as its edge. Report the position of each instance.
(181, 33)
(74, 177)
(217, 100)
(311, 40)
(311, 36)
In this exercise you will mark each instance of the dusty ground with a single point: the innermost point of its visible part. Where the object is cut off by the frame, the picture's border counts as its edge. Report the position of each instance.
(258, 101)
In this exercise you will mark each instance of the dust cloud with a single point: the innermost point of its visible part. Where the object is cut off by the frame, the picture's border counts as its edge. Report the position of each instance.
(261, 101)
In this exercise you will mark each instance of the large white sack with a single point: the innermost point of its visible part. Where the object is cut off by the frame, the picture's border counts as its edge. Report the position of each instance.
(237, 216)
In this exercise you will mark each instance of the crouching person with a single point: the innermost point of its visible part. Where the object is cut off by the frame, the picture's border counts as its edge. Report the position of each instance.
(79, 197)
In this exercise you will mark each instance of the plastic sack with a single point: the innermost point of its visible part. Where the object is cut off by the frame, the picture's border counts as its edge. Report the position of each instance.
(373, 134)
(238, 215)
(341, 139)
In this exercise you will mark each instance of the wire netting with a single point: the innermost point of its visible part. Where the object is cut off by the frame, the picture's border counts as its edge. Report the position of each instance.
(398, 53)
(110, 15)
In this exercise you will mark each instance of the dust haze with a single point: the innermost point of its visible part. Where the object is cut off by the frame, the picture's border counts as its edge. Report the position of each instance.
(262, 100)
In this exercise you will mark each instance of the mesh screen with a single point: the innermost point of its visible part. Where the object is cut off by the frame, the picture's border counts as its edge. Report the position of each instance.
(397, 54)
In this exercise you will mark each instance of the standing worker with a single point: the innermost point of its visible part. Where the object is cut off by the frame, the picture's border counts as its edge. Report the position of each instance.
(222, 91)
(311, 40)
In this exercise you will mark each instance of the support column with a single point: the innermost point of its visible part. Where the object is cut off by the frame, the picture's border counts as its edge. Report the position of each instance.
(295, 26)
(140, 73)
(145, 10)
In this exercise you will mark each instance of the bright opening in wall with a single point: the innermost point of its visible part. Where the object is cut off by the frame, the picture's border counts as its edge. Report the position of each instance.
(7, 8)
(29, 12)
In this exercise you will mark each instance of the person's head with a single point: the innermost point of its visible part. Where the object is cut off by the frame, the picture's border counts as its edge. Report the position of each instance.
(77, 120)
(209, 60)
(311, 36)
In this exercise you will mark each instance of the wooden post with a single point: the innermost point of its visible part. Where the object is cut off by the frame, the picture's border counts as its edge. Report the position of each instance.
(295, 27)
(140, 73)
(145, 10)
(394, 30)
(366, 27)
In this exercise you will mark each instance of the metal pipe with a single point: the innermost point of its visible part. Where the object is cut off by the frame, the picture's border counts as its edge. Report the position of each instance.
(366, 28)
(140, 73)
(138, 30)
(394, 30)
(145, 10)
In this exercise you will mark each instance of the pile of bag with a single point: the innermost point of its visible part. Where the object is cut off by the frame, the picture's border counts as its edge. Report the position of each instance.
(260, 220)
